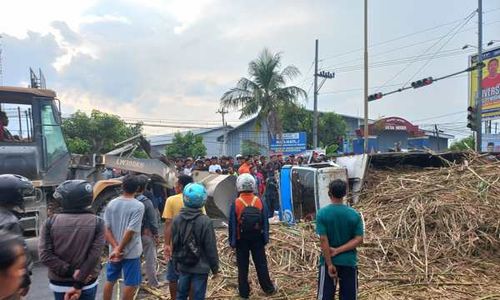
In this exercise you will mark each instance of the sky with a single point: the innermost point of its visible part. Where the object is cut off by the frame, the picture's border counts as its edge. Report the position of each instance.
(172, 60)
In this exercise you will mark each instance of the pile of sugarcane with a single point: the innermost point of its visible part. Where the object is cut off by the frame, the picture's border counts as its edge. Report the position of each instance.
(432, 233)
(429, 234)
(292, 254)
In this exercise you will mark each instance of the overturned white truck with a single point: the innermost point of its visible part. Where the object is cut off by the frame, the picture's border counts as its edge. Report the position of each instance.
(302, 190)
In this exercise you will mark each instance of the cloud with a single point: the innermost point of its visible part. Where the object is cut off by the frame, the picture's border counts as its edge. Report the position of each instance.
(174, 59)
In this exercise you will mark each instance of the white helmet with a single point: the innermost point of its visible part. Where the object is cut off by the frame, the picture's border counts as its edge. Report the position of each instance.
(245, 183)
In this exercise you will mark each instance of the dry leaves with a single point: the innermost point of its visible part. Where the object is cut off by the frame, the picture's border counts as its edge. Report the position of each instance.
(430, 234)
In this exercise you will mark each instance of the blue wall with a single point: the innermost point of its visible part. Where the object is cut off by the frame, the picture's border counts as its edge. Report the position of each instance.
(214, 147)
(247, 131)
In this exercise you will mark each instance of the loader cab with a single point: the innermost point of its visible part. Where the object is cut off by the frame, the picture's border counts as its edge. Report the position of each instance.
(31, 139)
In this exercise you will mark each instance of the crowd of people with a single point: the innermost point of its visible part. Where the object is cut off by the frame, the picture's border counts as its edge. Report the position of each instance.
(73, 241)
(244, 164)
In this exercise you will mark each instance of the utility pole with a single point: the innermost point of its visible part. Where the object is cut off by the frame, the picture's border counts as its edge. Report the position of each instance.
(315, 117)
(223, 112)
(479, 97)
(365, 98)
(1, 62)
(437, 136)
(324, 75)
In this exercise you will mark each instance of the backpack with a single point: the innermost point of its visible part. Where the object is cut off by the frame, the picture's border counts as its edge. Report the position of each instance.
(251, 223)
(189, 250)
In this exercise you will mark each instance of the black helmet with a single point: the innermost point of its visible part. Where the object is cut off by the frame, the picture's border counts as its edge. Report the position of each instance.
(74, 194)
(13, 188)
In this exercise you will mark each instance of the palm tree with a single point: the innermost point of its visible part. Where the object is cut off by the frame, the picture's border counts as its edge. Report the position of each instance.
(265, 91)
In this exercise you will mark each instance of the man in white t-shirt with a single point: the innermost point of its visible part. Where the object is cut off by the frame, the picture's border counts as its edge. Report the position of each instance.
(214, 166)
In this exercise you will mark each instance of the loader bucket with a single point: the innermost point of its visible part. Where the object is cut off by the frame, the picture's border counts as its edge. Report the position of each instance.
(221, 191)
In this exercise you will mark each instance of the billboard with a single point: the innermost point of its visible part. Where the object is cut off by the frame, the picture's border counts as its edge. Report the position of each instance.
(490, 142)
(490, 84)
(289, 143)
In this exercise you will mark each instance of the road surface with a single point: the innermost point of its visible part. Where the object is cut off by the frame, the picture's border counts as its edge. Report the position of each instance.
(40, 285)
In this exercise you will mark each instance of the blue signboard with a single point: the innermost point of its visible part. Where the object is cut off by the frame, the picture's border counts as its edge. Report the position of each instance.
(289, 143)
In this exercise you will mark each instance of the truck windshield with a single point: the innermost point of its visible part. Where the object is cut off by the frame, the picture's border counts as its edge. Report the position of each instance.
(16, 123)
(303, 194)
(54, 144)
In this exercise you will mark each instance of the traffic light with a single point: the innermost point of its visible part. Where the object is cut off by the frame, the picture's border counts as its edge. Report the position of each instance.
(374, 97)
(326, 74)
(422, 82)
(471, 118)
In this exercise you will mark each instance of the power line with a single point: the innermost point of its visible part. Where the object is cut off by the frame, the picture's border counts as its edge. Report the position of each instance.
(442, 46)
(440, 116)
(402, 37)
(174, 121)
(398, 61)
(458, 27)
(166, 125)
(375, 87)
(341, 64)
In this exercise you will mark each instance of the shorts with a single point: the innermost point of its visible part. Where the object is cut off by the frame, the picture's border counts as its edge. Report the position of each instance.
(172, 274)
(131, 271)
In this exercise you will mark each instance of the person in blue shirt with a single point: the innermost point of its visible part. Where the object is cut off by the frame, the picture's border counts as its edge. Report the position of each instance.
(341, 230)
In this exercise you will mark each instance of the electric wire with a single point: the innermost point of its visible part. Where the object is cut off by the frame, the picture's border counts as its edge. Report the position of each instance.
(440, 48)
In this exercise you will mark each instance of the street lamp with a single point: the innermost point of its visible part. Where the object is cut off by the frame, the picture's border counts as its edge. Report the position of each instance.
(492, 42)
(468, 46)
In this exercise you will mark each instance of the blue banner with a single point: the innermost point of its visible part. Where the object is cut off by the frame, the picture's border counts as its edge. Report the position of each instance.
(289, 143)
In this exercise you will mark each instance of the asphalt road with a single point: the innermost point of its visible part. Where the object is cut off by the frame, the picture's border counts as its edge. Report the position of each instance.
(40, 285)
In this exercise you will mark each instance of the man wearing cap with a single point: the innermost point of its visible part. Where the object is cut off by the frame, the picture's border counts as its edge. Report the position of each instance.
(198, 165)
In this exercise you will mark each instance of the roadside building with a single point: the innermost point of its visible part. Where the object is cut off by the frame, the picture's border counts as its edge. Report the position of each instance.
(394, 133)
(256, 134)
(209, 135)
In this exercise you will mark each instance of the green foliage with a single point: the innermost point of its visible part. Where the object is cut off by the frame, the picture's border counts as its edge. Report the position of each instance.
(298, 118)
(140, 154)
(186, 145)
(78, 145)
(96, 133)
(331, 150)
(265, 91)
(330, 127)
(249, 147)
(467, 143)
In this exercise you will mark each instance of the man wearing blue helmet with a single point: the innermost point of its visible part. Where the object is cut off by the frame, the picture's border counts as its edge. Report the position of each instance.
(194, 245)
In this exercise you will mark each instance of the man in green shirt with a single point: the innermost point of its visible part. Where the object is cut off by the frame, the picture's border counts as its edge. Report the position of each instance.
(340, 228)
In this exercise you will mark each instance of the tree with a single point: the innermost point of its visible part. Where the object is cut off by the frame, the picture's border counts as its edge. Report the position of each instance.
(330, 125)
(330, 128)
(186, 145)
(265, 91)
(96, 133)
(467, 143)
(249, 147)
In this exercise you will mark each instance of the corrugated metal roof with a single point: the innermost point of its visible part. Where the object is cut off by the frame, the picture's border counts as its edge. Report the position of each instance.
(165, 139)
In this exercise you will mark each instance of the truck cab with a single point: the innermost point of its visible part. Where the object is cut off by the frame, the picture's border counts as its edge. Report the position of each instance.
(304, 190)
(32, 145)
